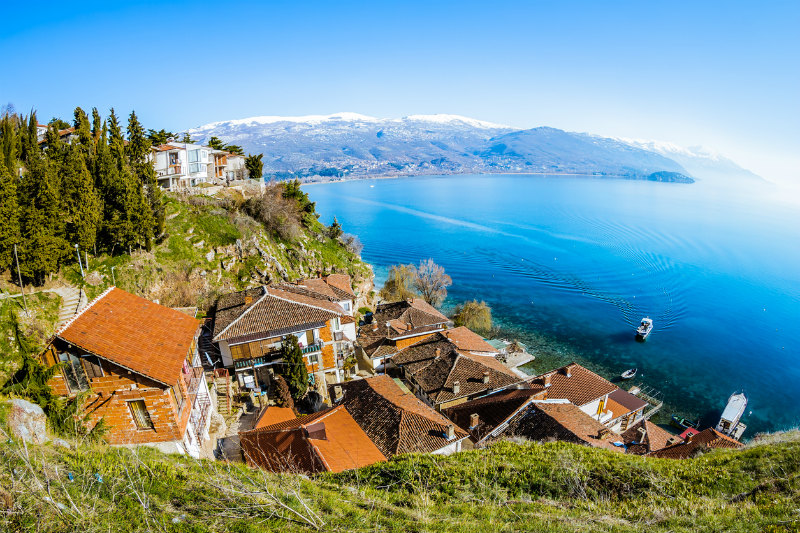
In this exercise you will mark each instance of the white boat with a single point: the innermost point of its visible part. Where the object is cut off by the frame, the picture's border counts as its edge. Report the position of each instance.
(644, 328)
(729, 421)
(629, 374)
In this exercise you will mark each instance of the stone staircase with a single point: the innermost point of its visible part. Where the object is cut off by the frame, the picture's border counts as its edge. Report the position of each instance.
(73, 300)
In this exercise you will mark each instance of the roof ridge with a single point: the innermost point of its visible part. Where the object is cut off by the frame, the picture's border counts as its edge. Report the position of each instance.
(302, 303)
(80, 312)
(235, 320)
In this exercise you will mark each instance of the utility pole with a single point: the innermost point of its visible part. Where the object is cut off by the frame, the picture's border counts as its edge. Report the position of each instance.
(113, 280)
(21, 286)
(79, 261)
(86, 257)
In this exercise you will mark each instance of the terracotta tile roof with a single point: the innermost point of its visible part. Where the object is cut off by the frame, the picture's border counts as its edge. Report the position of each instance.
(436, 363)
(563, 421)
(318, 285)
(165, 148)
(645, 437)
(397, 422)
(270, 311)
(467, 340)
(492, 410)
(274, 415)
(341, 283)
(328, 441)
(708, 438)
(137, 334)
(574, 383)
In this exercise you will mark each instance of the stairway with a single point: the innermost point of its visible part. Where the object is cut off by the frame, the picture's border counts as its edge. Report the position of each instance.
(223, 386)
(73, 300)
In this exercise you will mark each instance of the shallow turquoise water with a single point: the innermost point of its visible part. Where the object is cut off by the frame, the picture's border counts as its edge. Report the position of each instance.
(572, 264)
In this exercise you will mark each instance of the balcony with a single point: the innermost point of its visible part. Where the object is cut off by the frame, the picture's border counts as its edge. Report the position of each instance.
(316, 347)
(174, 170)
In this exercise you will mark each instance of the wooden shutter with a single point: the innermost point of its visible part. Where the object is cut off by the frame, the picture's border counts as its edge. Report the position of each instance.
(91, 364)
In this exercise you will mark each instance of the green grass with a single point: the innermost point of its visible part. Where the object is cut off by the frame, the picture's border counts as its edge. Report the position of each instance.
(509, 487)
(38, 325)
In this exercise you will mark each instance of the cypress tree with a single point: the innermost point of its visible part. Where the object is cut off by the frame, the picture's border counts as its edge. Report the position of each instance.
(295, 367)
(43, 244)
(84, 133)
(9, 217)
(139, 157)
(8, 142)
(116, 142)
(97, 124)
(55, 147)
(81, 205)
(30, 140)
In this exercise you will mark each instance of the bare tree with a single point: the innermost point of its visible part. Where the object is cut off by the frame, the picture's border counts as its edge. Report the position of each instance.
(432, 282)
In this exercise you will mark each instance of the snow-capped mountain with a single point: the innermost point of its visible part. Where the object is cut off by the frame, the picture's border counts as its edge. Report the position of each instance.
(351, 144)
(697, 160)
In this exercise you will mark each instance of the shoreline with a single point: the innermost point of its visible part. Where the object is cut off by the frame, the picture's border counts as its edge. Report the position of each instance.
(441, 175)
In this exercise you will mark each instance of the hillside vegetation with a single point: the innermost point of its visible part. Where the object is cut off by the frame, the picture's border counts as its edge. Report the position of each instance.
(551, 487)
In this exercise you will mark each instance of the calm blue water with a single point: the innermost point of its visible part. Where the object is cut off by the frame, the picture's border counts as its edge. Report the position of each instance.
(570, 265)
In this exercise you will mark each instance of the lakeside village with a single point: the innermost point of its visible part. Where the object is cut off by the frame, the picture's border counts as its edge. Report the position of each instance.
(401, 380)
(310, 376)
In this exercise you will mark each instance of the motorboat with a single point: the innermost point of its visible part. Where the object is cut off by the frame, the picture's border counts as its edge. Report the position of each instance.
(629, 374)
(644, 328)
(729, 421)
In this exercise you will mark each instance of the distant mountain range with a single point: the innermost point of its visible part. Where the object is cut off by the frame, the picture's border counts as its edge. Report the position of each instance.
(353, 145)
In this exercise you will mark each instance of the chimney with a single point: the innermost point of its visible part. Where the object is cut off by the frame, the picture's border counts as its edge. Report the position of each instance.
(337, 393)
(451, 432)
(568, 371)
(456, 387)
(673, 440)
(474, 420)
(486, 377)
(642, 432)
(438, 352)
(546, 379)
(374, 326)
(316, 431)
(248, 299)
(411, 300)
(602, 432)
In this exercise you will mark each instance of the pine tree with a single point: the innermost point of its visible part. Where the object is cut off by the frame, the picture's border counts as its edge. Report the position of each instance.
(81, 205)
(9, 217)
(116, 142)
(295, 367)
(43, 245)
(55, 147)
(254, 166)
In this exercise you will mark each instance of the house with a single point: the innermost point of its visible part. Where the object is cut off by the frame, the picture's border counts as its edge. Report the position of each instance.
(522, 413)
(452, 367)
(182, 165)
(226, 166)
(396, 421)
(695, 444)
(395, 326)
(645, 437)
(137, 362)
(327, 441)
(596, 396)
(250, 326)
(336, 287)
(66, 135)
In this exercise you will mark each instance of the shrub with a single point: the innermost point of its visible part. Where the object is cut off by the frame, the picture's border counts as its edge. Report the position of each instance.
(475, 315)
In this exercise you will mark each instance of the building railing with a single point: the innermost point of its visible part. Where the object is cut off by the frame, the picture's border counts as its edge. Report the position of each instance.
(311, 348)
(170, 171)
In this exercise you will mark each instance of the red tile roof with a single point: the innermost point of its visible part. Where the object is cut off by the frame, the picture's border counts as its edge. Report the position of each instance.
(396, 421)
(574, 383)
(274, 415)
(436, 364)
(328, 441)
(708, 438)
(645, 437)
(137, 334)
(467, 340)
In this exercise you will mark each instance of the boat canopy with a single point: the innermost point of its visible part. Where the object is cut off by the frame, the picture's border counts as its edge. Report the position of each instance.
(736, 406)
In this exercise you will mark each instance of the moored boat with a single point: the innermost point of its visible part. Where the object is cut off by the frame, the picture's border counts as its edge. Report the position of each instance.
(629, 374)
(682, 422)
(729, 421)
(644, 328)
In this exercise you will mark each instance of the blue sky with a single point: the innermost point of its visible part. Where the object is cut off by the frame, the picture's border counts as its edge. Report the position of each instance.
(725, 75)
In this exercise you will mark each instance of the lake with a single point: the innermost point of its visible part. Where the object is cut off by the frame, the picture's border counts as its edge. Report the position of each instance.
(570, 266)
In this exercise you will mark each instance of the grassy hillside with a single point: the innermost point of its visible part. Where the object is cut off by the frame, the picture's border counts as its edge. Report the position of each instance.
(509, 487)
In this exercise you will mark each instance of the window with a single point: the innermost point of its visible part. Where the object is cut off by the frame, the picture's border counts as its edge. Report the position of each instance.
(140, 415)
(335, 324)
(194, 168)
(346, 306)
(173, 158)
(73, 372)
(177, 396)
(92, 366)
(240, 351)
(194, 156)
